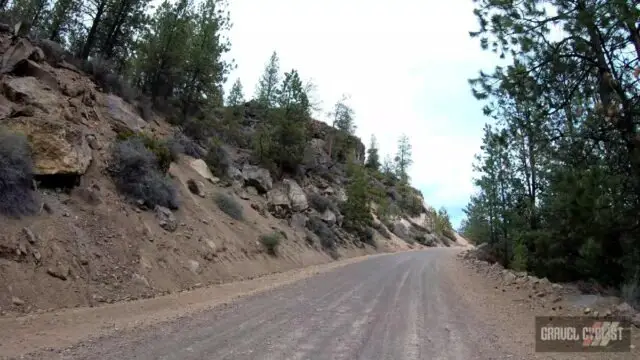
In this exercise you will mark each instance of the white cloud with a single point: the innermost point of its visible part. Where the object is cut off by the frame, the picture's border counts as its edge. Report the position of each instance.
(404, 62)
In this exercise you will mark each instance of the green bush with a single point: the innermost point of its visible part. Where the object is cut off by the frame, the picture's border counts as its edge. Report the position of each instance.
(271, 242)
(229, 206)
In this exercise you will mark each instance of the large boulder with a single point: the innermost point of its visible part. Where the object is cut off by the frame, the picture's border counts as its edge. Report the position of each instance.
(19, 52)
(202, 169)
(315, 155)
(296, 195)
(166, 219)
(278, 202)
(329, 217)
(57, 148)
(122, 115)
(28, 90)
(401, 229)
(257, 177)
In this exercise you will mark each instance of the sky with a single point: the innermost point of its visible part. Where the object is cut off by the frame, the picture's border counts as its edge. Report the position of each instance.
(404, 63)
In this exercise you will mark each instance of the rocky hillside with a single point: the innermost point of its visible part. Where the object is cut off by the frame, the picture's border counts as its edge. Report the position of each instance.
(87, 220)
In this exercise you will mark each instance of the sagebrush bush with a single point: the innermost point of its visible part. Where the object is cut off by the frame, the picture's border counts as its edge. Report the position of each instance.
(320, 203)
(320, 228)
(17, 197)
(382, 229)
(104, 75)
(271, 242)
(367, 237)
(229, 206)
(162, 150)
(217, 159)
(137, 174)
(181, 143)
(424, 240)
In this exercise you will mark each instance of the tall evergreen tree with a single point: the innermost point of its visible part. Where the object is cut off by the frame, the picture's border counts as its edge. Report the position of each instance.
(559, 173)
(267, 89)
(403, 158)
(164, 49)
(373, 158)
(205, 70)
(236, 97)
(343, 116)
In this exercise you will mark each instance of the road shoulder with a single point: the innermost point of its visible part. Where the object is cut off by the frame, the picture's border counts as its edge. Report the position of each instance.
(62, 329)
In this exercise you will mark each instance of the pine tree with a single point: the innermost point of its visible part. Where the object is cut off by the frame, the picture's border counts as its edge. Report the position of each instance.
(559, 172)
(343, 116)
(282, 140)
(267, 89)
(236, 97)
(403, 159)
(64, 16)
(388, 167)
(373, 158)
(356, 210)
(164, 49)
(119, 25)
(205, 70)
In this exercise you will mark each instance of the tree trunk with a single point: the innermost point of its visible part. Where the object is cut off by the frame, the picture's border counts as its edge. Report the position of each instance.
(91, 37)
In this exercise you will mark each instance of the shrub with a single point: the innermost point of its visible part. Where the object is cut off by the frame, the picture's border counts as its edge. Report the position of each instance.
(382, 229)
(145, 108)
(271, 242)
(424, 240)
(229, 206)
(181, 143)
(17, 197)
(409, 240)
(217, 159)
(320, 228)
(320, 203)
(164, 154)
(103, 74)
(136, 173)
(367, 236)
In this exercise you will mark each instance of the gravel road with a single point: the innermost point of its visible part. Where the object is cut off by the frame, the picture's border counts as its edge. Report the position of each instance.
(400, 306)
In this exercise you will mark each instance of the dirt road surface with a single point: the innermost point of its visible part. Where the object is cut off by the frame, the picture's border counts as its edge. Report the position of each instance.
(412, 305)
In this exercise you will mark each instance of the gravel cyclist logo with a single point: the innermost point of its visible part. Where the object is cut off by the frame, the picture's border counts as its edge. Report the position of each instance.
(581, 334)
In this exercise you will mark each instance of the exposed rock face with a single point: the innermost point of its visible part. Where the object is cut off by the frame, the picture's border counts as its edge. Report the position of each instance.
(202, 169)
(315, 155)
(296, 196)
(322, 130)
(401, 229)
(257, 177)
(122, 115)
(28, 90)
(20, 51)
(329, 217)
(56, 148)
